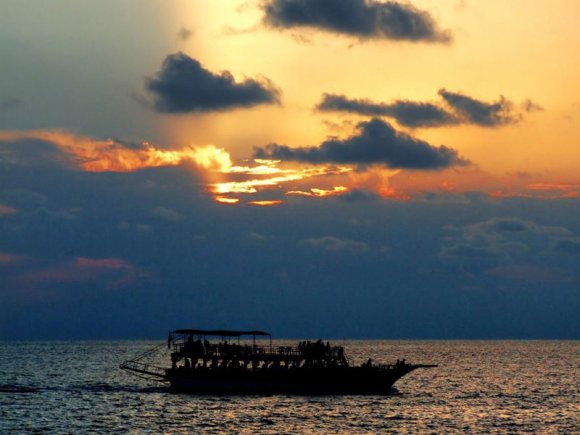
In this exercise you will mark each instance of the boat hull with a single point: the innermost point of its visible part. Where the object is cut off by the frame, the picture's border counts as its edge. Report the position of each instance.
(349, 380)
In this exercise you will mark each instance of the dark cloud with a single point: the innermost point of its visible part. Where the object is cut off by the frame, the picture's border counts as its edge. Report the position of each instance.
(184, 33)
(505, 238)
(183, 85)
(530, 106)
(359, 195)
(334, 244)
(474, 111)
(407, 113)
(32, 153)
(467, 251)
(364, 19)
(510, 225)
(567, 246)
(461, 109)
(10, 103)
(167, 213)
(377, 142)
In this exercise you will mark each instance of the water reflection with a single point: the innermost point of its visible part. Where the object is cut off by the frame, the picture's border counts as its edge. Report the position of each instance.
(479, 386)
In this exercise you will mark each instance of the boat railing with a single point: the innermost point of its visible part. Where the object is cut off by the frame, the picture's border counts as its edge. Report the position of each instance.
(141, 365)
(144, 369)
(226, 350)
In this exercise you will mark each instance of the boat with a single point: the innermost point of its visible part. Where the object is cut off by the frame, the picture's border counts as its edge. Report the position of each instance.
(236, 364)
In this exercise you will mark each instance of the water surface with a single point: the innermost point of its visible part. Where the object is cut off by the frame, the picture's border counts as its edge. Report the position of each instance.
(480, 386)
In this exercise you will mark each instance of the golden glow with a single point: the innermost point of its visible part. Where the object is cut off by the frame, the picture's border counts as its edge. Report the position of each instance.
(94, 155)
(543, 190)
(391, 193)
(554, 186)
(213, 158)
(226, 200)
(266, 203)
(314, 192)
(254, 185)
(540, 63)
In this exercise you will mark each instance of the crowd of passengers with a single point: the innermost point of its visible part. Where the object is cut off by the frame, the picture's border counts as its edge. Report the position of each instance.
(203, 354)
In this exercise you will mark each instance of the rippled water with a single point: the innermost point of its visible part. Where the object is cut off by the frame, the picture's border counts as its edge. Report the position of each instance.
(480, 386)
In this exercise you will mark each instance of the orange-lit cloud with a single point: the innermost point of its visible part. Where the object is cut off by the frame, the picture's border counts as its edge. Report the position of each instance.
(96, 155)
(226, 200)
(379, 180)
(549, 191)
(6, 210)
(314, 192)
(266, 203)
(226, 180)
(116, 271)
(389, 192)
(222, 176)
(9, 258)
(270, 177)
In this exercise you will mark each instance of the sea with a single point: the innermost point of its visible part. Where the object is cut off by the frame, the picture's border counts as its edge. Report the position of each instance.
(76, 387)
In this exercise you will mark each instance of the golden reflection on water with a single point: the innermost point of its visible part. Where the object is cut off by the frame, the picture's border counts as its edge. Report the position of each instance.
(479, 386)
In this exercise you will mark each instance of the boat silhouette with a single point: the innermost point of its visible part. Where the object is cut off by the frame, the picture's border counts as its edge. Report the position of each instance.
(229, 366)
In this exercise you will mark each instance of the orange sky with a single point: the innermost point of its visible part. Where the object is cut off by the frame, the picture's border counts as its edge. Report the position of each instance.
(520, 51)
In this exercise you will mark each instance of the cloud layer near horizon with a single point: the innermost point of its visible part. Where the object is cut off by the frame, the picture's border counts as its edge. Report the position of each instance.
(124, 254)
(376, 143)
(365, 19)
(183, 85)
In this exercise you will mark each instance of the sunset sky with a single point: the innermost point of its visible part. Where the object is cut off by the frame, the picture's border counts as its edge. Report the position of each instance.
(332, 168)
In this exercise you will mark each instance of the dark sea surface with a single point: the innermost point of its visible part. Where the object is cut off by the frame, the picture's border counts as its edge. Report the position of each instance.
(479, 386)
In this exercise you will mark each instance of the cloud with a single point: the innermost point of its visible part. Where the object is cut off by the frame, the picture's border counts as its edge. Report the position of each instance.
(364, 19)
(167, 213)
(464, 250)
(530, 106)
(407, 113)
(113, 272)
(103, 269)
(61, 148)
(376, 143)
(7, 258)
(478, 112)
(314, 192)
(10, 103)
(335, 244)
(184, 86)
(567, 246)
(359, 195)
(257, 237)
(502, 238)
(532, 273)
(461, 109)
(184, 33)
(6, 210)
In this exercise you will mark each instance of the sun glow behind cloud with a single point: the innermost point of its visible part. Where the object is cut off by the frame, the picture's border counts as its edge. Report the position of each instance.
(315, 192)
(267, 181)
(223, 178)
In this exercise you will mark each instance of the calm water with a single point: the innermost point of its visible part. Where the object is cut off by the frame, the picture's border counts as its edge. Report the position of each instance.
(480, 386)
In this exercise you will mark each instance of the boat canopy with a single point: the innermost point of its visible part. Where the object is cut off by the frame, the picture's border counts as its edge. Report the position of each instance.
(219, 332)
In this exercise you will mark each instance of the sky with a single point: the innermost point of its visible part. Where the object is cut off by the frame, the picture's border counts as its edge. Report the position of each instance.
(313, 168)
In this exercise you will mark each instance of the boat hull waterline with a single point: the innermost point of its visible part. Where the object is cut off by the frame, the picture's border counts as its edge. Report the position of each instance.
(353, 380)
